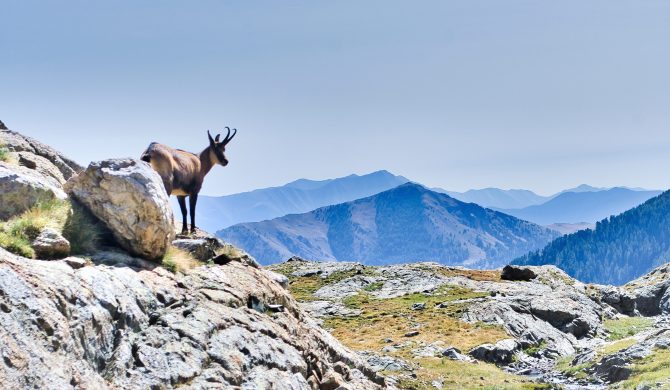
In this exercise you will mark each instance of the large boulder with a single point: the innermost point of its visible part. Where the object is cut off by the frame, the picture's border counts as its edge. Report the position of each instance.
(129, 197)
(22, 188)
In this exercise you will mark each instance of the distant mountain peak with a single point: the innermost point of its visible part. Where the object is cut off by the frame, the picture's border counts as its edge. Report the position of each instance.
(406, 223)
(296, 197)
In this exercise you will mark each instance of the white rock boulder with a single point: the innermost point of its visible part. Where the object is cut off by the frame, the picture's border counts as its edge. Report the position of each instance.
(129, 197)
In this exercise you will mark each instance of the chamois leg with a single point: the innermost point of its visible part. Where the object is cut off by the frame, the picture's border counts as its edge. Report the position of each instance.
(182, 206)
(193, 199)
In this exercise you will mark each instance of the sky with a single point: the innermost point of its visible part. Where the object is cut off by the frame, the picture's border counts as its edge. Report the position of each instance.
(541, 95)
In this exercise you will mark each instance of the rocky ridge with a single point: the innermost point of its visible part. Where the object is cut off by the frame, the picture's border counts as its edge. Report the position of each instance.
(105, 318)
(520, 326)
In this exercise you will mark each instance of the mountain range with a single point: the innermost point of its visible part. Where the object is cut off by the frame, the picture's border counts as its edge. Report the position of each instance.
(215, 213)
(586, 206)
(619, 249)
(405, 224)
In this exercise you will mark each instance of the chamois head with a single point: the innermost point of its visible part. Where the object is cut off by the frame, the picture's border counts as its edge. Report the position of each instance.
(219, 147)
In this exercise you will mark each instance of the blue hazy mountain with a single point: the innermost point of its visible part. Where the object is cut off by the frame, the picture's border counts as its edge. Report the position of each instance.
(497, 198)
(585, 206)
(405, 224)
(215, 213)
(618, 250)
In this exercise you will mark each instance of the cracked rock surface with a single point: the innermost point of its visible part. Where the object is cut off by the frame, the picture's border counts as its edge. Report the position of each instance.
(139, 327)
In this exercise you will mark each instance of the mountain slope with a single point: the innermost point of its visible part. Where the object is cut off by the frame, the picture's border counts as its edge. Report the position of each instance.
(585, 206)
(495, 197)
(407, 223)
(620, 248)
(215, 213)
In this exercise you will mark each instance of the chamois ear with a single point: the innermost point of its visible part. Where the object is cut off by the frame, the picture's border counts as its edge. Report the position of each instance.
(211, 140)
(217, 137)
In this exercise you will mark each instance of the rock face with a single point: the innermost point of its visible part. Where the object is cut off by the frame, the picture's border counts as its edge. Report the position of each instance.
(21, 188)
(129, 197)
(38, 156)
(125, 327)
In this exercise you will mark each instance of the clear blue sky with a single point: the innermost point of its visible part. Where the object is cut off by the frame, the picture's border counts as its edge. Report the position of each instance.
(515, 94)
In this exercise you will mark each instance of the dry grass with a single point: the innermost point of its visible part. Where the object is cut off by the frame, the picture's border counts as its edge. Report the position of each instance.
(72, 221)
(474, 274)
(179, 261)
(392, 318)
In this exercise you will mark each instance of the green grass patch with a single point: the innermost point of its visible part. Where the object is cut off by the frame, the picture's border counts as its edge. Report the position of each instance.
(4, 153)
(72, 221)
(627, 326)
(534, 350)
(652, 370)
(376, 286)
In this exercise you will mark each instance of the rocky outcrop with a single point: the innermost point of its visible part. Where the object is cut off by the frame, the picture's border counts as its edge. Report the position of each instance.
(134, 325)
(129, 197)
(22, 188)
(35, 155)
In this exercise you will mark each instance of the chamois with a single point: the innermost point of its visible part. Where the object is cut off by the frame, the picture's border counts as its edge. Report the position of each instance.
(183, 172)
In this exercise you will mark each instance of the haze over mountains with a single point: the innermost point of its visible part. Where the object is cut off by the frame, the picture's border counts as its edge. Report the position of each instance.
(587, 206)
(620, 248)
(407, 223)
(215, 213)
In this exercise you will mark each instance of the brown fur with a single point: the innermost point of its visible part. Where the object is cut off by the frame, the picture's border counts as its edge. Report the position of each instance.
(183, 172)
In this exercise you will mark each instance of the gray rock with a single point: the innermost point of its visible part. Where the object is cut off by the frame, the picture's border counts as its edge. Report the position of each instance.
(412, 333)
(328, 308)
(50, 244)
(22, 188)
(279, 278)
(75, 262)
(419, 306)
(513, 272)
(129, 197)
(41, 165)
(27, 146)
(454, 353)
(120, 327)
(345, 288)
(203, 249)
(501, 352)
(385, 363)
